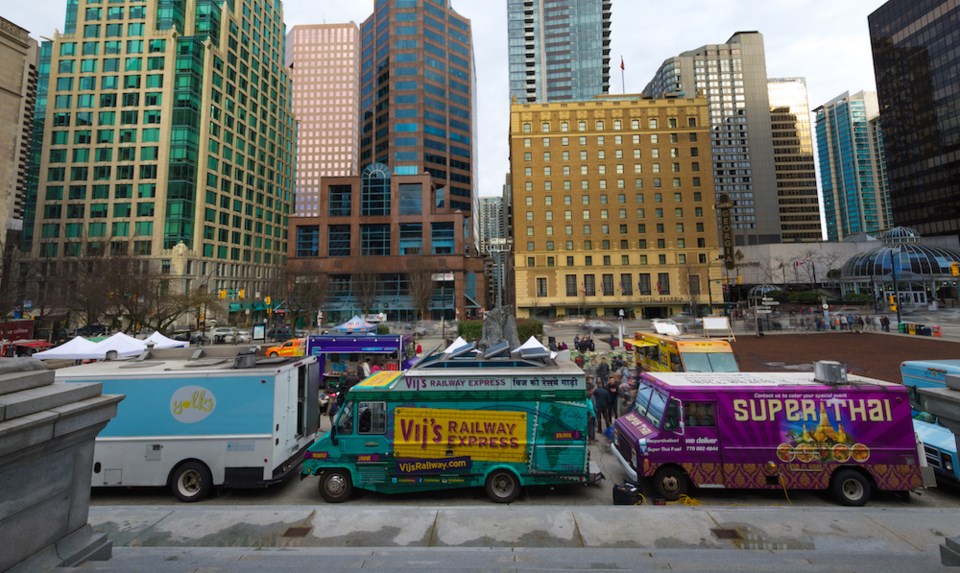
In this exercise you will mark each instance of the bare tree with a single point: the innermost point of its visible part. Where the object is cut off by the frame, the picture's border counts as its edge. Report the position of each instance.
(307, 291)
(364, 282)
(690, 287)
(420, 279)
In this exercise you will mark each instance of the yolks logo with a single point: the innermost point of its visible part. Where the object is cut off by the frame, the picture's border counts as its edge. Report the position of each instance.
(191, 404)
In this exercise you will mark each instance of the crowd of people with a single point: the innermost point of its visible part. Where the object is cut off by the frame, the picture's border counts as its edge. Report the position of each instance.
(611, 389)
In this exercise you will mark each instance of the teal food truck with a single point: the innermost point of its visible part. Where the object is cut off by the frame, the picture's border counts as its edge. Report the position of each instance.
(456, 422)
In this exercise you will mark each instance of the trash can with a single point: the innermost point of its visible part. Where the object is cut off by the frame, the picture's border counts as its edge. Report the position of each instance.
(924, 331)
(911, 328)
(902, 327)
(935, 330)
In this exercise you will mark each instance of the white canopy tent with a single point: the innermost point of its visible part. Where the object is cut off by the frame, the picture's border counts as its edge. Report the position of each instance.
(78, 348)
(121, 344)
(161, 341)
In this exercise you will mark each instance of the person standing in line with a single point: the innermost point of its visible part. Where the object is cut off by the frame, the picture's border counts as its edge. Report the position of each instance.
(603, 372)
(365, 368)
(601, 399)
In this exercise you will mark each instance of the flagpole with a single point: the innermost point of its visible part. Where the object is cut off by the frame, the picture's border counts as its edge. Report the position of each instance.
(623, 82)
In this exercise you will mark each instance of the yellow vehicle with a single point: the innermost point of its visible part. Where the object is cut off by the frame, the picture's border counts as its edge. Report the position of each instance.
(292, 347)
(666, 353)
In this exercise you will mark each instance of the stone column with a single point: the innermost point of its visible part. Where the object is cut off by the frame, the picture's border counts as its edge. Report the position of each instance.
(47, 433)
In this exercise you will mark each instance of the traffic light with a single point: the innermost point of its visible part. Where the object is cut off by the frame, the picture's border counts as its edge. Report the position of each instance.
(243, 293)
(222, 293)
(892, 302)
(267, 300)
(955, 269)
(739, 280)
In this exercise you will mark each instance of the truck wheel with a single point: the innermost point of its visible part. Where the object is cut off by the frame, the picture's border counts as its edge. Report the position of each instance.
(336, 486)
(502, 486)
(670, 483)
(273, 355)
(191, 482)
(850, 488)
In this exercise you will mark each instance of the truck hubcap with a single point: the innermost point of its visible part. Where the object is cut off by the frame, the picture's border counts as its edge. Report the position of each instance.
(852, 489)
(336, 485)
(190, 483)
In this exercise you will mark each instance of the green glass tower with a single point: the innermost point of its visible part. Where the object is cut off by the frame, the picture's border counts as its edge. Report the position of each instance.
(168, 137)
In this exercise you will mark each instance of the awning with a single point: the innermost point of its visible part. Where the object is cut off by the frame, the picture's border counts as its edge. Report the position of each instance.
(257, 305)
(33, 343)
(470, 302)
(234, 307)
(637, 343)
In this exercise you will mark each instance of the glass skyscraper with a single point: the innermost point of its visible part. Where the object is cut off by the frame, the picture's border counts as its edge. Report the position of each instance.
(417, 96)
(559, 49)
(168, 138)
(916, 56)
(855, 195)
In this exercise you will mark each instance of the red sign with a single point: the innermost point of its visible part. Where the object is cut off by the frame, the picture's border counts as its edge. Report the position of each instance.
(16, 329)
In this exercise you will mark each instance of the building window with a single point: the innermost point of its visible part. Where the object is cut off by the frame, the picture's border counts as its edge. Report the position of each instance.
(411, 238)
(571, 280)
(308, 241)
(338, 243)
(643, 284)
(589, 285)
(442, 238)
(542, 286)
(607, 284)
(626, 284)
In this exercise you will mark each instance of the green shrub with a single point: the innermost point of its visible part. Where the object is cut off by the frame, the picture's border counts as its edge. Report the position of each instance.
(470, 330)
(383, 329)
(857, 298)
(528, 327)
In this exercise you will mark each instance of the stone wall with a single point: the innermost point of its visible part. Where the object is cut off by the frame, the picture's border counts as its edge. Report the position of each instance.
(47, 433)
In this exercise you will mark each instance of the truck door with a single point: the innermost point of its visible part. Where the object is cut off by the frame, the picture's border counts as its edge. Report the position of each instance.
(701, 443)
(364, 440)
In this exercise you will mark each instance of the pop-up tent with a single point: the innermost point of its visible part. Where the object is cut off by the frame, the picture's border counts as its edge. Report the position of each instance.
(78, 348)
(119, 343)
(355, 324)
(160, 341)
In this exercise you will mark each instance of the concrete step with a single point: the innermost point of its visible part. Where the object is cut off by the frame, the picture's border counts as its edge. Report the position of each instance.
(45, 398)
(11, 382)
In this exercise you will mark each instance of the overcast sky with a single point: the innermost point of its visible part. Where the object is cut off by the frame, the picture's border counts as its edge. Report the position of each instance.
(826, 43)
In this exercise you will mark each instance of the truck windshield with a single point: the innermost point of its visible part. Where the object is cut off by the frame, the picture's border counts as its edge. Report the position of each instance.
(651, 403)
(709, 362)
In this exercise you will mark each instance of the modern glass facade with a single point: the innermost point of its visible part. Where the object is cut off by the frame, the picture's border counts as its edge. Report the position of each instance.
(417, 95)
(168, 131)
(793, 161)
(324, 62)
(916, 55)
(559, 49)
(733, 77)
(855, 197)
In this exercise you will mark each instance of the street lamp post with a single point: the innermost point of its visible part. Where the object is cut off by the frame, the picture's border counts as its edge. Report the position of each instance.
(896, 284)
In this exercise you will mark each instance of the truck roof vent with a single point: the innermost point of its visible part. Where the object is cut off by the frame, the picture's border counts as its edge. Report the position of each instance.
(829, 372)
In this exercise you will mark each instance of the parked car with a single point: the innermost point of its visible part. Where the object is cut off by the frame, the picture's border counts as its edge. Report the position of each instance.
(279, 334)
(224, 335)
(243, 337)
(91, 330)
(292, 347)
(598, 326)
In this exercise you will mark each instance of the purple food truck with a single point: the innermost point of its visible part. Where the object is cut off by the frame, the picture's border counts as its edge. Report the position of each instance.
(338, 353)
(827, 430)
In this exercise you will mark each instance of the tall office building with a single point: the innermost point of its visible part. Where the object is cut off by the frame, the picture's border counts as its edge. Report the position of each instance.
(417, 96)
(324, 62)
(793, 159)
(169, 138)
(613, 207)
(850, 144)
(733, 78)
(491, 221)
(559, 49)
(916, 58)
(401, 236)
(19, 55)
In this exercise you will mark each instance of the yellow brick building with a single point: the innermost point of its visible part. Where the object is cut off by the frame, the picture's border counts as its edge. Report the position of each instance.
(613, 208)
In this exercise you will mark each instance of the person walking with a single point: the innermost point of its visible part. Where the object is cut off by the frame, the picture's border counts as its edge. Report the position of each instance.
(601, 401)
(603, 372)
(885, 323)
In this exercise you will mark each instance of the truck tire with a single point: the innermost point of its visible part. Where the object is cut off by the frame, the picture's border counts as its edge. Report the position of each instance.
(670, 483)
(336, 486)
(850, 488)
(273, 355)
(191, 482)
(503, 486)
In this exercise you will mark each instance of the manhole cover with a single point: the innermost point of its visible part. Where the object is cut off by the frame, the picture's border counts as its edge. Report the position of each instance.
(297, 532)
(726, 533)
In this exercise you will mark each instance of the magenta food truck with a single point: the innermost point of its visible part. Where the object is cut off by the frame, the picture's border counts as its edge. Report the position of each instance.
(820, 431)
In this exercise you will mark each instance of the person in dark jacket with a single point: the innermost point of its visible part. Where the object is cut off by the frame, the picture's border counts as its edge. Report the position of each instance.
(603, 372)
(602, 400)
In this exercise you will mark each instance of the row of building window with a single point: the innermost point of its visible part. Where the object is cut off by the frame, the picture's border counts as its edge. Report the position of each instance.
(600, 125)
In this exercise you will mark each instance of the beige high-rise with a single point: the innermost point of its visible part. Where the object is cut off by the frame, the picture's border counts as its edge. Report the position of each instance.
(324, 62)
(613, 207)
(18, 92)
